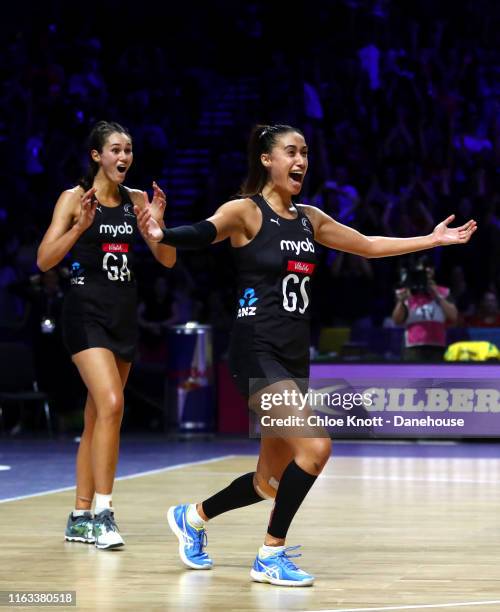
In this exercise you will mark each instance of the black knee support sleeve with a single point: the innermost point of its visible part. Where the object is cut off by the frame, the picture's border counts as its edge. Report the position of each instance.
(294, 486)
(239, 493)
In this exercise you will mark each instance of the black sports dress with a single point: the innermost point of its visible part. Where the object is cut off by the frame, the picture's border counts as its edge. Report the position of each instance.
(271, 335)
(100, 309)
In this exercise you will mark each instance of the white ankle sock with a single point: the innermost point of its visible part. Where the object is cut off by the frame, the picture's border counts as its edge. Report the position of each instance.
(194, 519)
(102, 502)
(267, 551)
(80, 511)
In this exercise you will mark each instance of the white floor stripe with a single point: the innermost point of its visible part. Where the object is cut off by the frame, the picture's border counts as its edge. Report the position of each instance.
(416, 607)
(411, 478)
(169, 468)
(368, 477)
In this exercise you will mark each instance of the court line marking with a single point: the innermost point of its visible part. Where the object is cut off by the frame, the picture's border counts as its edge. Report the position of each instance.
(375, 477)
(127, 477)
(410, 478)
(414, 607)
(231, 456)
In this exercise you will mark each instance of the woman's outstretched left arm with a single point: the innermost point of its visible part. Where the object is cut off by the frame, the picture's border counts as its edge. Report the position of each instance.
(334, 235)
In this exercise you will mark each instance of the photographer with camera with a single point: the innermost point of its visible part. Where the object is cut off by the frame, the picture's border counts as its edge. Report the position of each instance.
(424, 308)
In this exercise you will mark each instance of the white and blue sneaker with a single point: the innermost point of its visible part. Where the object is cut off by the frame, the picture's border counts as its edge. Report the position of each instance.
(192, 540)
(278, 569)
(106, 532)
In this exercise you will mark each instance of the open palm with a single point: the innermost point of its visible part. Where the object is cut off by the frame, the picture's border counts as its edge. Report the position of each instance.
(158, 203)
(445, 235)
(87, 209)
(149, 227)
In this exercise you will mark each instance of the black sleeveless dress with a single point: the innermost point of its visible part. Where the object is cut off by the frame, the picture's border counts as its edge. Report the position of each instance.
(100, 309)
(271, 335)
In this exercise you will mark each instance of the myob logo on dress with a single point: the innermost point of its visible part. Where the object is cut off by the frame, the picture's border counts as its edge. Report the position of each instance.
(114, 230)
(297, 246)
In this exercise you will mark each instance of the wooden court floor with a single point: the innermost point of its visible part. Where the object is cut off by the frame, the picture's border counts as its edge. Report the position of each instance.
(378, 534)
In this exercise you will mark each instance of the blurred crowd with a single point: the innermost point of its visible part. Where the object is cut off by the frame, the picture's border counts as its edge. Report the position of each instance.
(399, 103)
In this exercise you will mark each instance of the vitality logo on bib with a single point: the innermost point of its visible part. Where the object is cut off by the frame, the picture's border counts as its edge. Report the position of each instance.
(115, 230)
(112, 247)
(302, 267)
(247, 308)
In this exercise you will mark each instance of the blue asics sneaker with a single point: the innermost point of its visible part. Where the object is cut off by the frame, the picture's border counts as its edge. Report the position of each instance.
(192, 541)
(278, 569)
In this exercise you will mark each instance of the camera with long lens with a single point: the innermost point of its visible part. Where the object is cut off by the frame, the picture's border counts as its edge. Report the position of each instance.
(415, 279)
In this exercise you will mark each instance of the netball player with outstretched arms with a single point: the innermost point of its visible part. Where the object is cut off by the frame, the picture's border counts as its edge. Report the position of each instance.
(96, 222)
(273, 243)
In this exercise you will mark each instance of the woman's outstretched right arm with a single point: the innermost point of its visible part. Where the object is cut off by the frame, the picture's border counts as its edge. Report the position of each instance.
(228, 220)
(63, 232)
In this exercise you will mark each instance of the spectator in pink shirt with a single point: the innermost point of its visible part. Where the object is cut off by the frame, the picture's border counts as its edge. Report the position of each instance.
(425, 309)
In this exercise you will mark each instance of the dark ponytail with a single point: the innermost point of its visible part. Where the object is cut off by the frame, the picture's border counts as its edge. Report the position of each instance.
(96, 140)
(262, 139)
